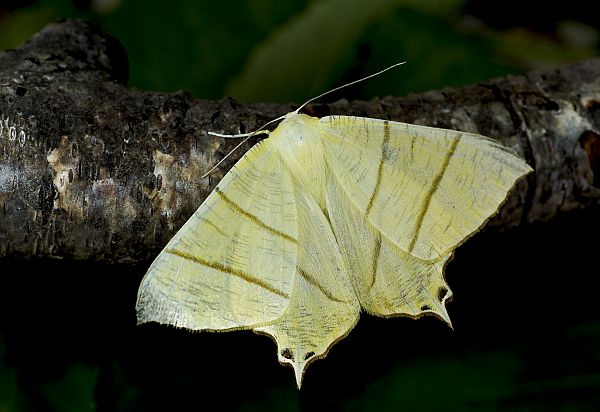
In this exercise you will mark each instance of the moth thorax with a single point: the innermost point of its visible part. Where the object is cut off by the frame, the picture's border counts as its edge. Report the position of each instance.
(299, 142)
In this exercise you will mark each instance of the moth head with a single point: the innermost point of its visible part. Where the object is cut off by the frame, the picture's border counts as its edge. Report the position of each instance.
(295, 128)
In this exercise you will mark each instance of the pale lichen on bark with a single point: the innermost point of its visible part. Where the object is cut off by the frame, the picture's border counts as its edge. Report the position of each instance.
(92, 169)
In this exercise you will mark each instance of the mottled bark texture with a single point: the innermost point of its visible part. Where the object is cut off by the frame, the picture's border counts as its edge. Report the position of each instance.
(91, 169)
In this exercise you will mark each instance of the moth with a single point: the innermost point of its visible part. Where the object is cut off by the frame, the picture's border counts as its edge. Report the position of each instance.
(326, 218)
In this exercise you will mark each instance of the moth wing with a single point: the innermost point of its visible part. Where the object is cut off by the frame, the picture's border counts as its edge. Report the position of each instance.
(323, 307)
(387, 280)
(232, 264)
(425, 189)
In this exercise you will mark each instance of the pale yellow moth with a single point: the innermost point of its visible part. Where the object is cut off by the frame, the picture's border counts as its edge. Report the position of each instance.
(323, 219)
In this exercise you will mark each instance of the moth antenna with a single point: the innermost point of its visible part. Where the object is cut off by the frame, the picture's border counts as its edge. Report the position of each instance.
(260, 130)
(235, 136)
(226, 156)
(348, 84)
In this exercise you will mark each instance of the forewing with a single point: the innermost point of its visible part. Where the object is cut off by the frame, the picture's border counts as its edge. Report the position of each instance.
(232, 264)
(425, 189)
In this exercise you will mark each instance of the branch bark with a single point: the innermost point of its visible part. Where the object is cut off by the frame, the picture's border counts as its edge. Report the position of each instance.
(91, 169)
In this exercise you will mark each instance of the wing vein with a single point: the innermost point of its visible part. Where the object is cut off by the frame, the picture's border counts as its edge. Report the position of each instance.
(253, 218)
(316, 284)
(375, 263)
(229, 270)
(384, 148)
(435, 184)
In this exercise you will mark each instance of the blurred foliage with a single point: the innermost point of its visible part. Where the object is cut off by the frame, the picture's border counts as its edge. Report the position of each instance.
(283, 51)
(11, 397)
(69, 342)
(74, 391)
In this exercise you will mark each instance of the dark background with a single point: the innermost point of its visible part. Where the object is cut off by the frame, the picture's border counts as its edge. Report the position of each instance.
(525, 311)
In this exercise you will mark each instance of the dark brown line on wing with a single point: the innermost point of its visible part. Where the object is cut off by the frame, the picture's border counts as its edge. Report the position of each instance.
(226, 269)
(375, 262)
(434, 187)
(214, 226)
(316, 284)
(384, 148)
(253, 218)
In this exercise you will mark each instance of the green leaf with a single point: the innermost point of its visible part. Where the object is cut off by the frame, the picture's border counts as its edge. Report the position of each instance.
(437, 55)
(75, 391)
(309, 52)
(11, 397)
(198, 45)
(479, 383)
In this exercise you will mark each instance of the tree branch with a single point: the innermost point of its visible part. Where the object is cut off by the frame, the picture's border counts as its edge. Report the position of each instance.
(91, 169)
